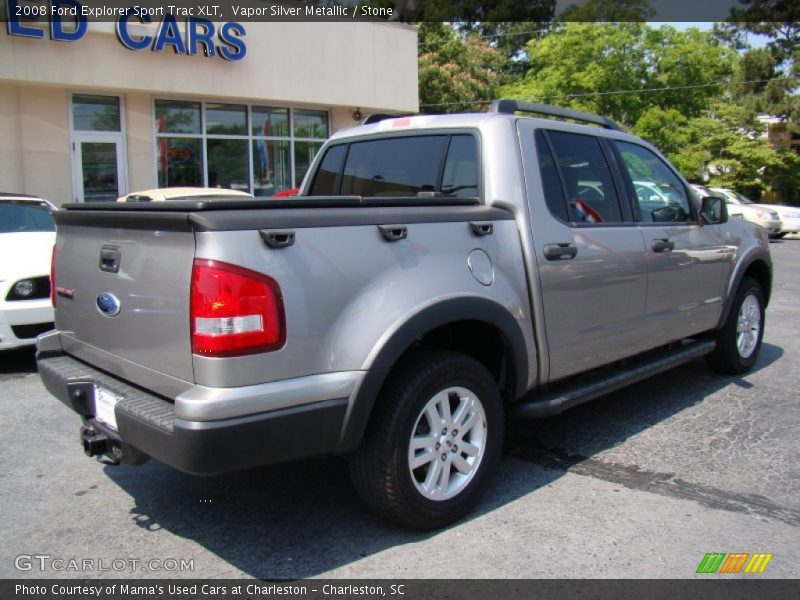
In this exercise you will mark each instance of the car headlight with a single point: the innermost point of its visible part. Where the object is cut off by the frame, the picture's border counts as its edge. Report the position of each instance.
(24, 288)
(767, 216)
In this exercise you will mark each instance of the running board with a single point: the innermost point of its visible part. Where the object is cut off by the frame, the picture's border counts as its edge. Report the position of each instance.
(552, 403)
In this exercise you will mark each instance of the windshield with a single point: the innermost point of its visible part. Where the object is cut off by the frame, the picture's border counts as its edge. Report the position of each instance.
(22, 215)
(743, 199)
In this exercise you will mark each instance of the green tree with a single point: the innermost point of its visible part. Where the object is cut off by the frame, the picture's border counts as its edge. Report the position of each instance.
(456, 73)
(622, 69)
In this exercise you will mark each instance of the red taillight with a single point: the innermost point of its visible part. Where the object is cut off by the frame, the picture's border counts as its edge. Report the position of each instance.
(53, 277)
(235, 311)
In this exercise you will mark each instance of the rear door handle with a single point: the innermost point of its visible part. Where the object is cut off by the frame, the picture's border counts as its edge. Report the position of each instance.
(560, 251)
(664, 245)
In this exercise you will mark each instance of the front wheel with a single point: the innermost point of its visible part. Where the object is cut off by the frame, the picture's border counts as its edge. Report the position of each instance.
(739, 339)
(433, 442)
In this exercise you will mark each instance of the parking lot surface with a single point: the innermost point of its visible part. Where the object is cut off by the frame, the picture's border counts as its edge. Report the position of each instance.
(640, 483)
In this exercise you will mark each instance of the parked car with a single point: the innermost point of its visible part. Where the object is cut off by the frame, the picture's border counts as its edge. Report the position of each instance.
(182, 193)
(27, 235)
(788, 215)
(761, 216)
(436, 275)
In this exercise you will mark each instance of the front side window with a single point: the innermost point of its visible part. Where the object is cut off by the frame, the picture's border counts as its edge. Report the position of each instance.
(591, 194)
(661, 196)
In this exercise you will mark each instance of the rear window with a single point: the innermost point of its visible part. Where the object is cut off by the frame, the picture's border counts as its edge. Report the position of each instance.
(400, 166)
(25, 216)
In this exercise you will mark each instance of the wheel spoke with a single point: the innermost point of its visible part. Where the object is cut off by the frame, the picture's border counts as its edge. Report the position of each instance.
(432, 478)
(460, 463)
(444, 408)
(434, 419)
(444, 479)
(469, 449)
(426, 442)
(464, 406)
(420, 460)
(469, 423)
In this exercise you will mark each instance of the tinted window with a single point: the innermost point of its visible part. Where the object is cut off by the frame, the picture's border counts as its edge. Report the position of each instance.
(461, 167)
(553, 192)
(326, 181)
(659, 192)
(394, 166)
(587, 178)
(25, 216)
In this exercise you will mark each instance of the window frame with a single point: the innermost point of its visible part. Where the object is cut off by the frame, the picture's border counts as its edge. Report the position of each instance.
(623, 196)
(248, 136)
(631, 190)
(449, 132)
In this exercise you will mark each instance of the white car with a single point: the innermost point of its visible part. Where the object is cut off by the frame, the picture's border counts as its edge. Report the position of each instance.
(762, 214)
(789, 215)
(183, 193)
(27, 235)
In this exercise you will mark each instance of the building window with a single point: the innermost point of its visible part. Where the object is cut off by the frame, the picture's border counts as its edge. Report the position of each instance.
(260, 149)
(95, 113)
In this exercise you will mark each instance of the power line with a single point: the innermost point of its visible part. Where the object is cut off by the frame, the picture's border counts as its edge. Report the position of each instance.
(619, 92)
(496, 35)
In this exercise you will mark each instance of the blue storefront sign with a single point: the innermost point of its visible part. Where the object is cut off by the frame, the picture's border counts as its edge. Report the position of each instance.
(69, 21)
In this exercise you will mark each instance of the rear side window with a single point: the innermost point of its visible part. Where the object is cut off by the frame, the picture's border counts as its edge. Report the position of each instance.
(326, 181)
(591, 194)
(553, 192)
(400, 166)
(460, 177)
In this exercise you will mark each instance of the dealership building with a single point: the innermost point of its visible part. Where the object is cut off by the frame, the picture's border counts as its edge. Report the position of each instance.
(91, 111)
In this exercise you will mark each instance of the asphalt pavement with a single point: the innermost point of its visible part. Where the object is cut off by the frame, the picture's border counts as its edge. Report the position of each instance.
(641, 483)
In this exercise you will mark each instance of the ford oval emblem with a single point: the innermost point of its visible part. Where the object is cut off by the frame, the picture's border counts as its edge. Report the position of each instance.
(108, 304)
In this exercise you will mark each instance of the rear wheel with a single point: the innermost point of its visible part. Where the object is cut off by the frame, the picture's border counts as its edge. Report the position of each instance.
(433, 442)
(739, 340)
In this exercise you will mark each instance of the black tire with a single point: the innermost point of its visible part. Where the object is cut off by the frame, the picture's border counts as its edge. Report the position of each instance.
(726, 357)
(777, 236)
(380, 468)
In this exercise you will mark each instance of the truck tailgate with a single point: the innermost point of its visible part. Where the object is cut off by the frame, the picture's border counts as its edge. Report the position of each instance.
(142, 272)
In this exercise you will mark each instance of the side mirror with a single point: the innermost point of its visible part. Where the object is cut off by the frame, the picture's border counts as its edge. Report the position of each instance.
(713, 211)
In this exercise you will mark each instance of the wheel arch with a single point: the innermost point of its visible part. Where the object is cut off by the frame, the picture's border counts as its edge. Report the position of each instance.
(759, 267)
(475, 326)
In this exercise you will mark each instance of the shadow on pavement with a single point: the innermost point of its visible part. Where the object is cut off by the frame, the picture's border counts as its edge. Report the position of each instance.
(19, 362)
(303, 519)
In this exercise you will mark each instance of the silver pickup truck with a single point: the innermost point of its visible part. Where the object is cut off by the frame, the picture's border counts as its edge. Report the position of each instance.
(437, 275)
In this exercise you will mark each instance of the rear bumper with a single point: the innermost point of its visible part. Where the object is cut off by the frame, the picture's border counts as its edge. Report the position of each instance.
(148, 423)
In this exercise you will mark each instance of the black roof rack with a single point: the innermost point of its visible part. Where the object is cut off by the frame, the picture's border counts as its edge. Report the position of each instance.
(509, 107)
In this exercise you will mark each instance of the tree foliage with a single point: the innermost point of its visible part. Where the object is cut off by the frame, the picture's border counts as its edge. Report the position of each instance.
(456, 73)
(622, 69)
